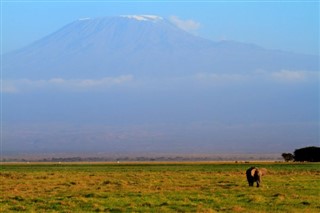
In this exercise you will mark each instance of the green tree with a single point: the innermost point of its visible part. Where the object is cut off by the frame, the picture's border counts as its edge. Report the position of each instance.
(287, 157)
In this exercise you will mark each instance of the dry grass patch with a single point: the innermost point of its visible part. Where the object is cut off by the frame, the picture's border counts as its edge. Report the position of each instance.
(157, 187)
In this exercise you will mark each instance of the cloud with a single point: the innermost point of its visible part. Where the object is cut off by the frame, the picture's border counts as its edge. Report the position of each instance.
(187, 25)
(198, 79)
(15, 86)
(289, 75)
(90, 83)
(282, 76)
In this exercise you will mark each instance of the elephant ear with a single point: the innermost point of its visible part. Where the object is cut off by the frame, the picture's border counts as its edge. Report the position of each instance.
(263, 171)
(253, 171)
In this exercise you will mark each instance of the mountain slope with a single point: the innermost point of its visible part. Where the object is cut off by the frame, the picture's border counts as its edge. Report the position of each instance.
(141, 46)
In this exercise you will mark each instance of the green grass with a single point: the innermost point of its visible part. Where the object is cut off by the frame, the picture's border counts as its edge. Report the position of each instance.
(158, 187)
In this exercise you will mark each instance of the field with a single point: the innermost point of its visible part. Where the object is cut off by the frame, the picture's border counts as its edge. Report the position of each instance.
(158, 187)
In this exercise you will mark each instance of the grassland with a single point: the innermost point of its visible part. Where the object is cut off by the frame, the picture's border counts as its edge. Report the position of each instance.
(158, 187)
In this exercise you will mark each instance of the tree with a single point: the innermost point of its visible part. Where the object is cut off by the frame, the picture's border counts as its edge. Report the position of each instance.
(287, 157)
(311, 154)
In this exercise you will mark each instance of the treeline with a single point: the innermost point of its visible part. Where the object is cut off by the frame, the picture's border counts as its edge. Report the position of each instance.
(310, 154)
(138, 158)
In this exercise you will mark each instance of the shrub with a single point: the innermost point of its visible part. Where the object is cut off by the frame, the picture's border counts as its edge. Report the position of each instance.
(311, 154)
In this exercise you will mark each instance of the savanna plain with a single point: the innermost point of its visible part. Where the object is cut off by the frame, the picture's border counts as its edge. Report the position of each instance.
(158, 187)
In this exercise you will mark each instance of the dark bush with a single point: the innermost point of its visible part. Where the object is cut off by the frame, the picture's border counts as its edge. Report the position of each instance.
(311, 154)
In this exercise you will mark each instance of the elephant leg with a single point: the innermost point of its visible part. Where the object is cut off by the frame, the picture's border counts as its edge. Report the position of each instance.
(257, 178)
(251, 177)
(250, 180)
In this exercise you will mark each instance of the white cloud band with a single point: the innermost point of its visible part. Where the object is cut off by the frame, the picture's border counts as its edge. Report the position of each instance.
(287, 75)
(204, 78)
(14, 86)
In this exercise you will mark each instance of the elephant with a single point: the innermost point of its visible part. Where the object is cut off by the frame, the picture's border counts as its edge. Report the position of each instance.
(254, 175)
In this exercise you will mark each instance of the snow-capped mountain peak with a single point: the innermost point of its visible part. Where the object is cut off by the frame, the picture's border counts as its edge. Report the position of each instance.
(141, 45)
(84, 19)
(144, 17)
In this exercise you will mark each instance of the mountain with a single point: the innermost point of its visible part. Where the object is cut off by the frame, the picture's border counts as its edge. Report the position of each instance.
(148, 46)
(140, 84)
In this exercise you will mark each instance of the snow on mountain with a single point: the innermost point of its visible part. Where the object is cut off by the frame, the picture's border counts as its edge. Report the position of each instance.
(144, 17)
(84, 19)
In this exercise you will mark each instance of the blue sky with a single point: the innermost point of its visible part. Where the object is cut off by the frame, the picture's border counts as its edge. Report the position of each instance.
(286, 25)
